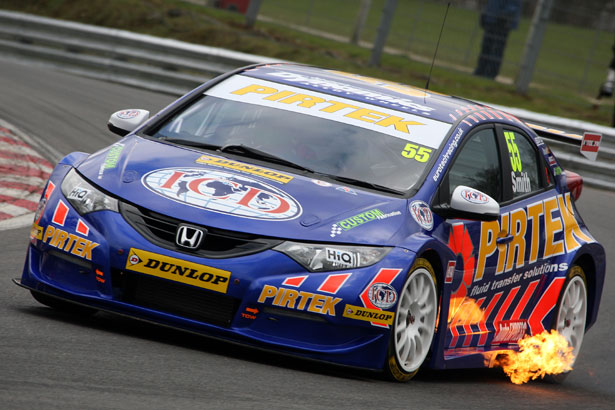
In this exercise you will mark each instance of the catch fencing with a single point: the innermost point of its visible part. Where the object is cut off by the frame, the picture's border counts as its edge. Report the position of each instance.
(574, 53)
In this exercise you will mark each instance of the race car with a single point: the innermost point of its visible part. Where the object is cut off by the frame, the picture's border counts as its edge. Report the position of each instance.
(326, 215)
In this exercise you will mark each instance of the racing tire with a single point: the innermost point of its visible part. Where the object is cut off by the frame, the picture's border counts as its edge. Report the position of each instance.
(62, 305)
(414, 325)
(571, 315)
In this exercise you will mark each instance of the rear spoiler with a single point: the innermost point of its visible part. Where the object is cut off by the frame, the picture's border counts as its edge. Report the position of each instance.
(589, 142)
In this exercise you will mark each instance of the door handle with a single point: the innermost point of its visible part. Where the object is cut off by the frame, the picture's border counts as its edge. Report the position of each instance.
(504, 240)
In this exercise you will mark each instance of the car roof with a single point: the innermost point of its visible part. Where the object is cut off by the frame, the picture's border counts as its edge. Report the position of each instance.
(383, 93)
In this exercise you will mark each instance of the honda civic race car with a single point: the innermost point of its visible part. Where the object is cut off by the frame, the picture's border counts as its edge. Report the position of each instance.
(325, 215)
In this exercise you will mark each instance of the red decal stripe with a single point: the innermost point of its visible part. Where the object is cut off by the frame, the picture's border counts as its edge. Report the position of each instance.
(82, 228)
(383, 276)
(483, 328)
(468, 326)
(60, 213)
(295, 281)
(544, 306)
(333, 283)
(524, 299)
(50, 187)
(511, 296)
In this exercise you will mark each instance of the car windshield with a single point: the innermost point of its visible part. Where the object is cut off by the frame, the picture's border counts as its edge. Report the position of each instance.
(315, 143)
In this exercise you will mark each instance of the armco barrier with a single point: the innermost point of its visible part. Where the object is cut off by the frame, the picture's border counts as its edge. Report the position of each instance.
(175, 67)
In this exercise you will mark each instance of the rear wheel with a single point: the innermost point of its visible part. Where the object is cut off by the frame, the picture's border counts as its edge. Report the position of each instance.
(572, 314)
(415, 322)
(62, 305)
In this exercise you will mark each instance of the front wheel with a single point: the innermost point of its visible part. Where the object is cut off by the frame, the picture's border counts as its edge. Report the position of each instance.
(415, 323)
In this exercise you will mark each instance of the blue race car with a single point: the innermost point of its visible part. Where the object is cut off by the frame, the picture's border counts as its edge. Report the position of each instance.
(326, 215)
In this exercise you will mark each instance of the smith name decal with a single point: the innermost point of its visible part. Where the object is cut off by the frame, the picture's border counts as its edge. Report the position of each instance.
(178, 270)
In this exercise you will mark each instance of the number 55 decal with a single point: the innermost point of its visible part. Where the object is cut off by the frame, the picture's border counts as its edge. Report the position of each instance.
(515, 158)
(420, 154)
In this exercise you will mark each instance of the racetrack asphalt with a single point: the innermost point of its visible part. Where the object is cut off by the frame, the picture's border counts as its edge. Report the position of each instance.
(53, 361)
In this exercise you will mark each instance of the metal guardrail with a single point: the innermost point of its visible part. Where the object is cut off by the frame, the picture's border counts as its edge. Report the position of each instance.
(175, 67)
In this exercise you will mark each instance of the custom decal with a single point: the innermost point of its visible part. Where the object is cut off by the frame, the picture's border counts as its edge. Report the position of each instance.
(346, 189)
(36, 231)
(516, 223)
(450, 271)
(552, 216)
(69, 242)
(243, 167)
(249, 313)
(369, 315)
(360, 219)
(382, 295)
(342, 258)
(178, 270)
(520, 183)
(409, 127)
(513, 151)
(474, 196)
(509, 331)
(127, 114)
(384, 276)
(336, 87)
(413, 151)
(590, 145)
(223, 192)
(421, 213)
(60, 213)
(299, 300)
(112, 157)
(321, 183)
(448, 154)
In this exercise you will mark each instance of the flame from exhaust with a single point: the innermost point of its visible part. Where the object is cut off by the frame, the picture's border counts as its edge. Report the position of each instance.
(538, 355)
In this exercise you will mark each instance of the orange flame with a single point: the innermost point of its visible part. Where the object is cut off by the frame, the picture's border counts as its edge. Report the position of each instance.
(464, 311)
(538, 355)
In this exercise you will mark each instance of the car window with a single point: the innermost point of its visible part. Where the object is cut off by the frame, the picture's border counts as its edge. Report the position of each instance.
(478, 165)
(524, 162)
(343, 138)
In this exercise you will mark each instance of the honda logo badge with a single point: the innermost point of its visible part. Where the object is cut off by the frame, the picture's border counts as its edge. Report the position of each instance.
(189, 236)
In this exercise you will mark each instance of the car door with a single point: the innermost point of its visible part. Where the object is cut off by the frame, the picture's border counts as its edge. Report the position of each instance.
(529, 218)
(477, 164)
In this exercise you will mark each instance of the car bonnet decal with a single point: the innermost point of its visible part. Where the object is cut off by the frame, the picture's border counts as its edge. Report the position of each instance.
(223, 192)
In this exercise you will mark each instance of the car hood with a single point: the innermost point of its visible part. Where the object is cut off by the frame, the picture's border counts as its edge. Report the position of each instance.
(213, 190)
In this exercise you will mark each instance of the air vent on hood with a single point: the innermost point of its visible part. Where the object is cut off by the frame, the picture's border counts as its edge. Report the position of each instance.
(218, 243)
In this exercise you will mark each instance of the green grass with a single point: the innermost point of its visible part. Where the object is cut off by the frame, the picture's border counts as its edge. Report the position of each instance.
(559, 90)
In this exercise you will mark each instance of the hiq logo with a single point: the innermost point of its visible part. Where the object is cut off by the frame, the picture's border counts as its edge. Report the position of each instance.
(340, 257)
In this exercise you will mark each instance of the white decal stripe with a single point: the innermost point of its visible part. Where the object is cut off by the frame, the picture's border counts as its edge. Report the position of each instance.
(430, 134)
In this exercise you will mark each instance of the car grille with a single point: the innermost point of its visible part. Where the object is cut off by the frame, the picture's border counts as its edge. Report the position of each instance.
(218, 243)
(174, 298)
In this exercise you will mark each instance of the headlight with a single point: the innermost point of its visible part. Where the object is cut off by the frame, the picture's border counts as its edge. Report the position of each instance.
(322, 258)
(84, 197)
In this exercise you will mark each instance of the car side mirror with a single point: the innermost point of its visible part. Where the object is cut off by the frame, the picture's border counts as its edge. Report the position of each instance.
(469, 203)
(126, 121)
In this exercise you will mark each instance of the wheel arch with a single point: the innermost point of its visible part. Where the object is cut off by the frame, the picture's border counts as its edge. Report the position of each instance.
(592, 263)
